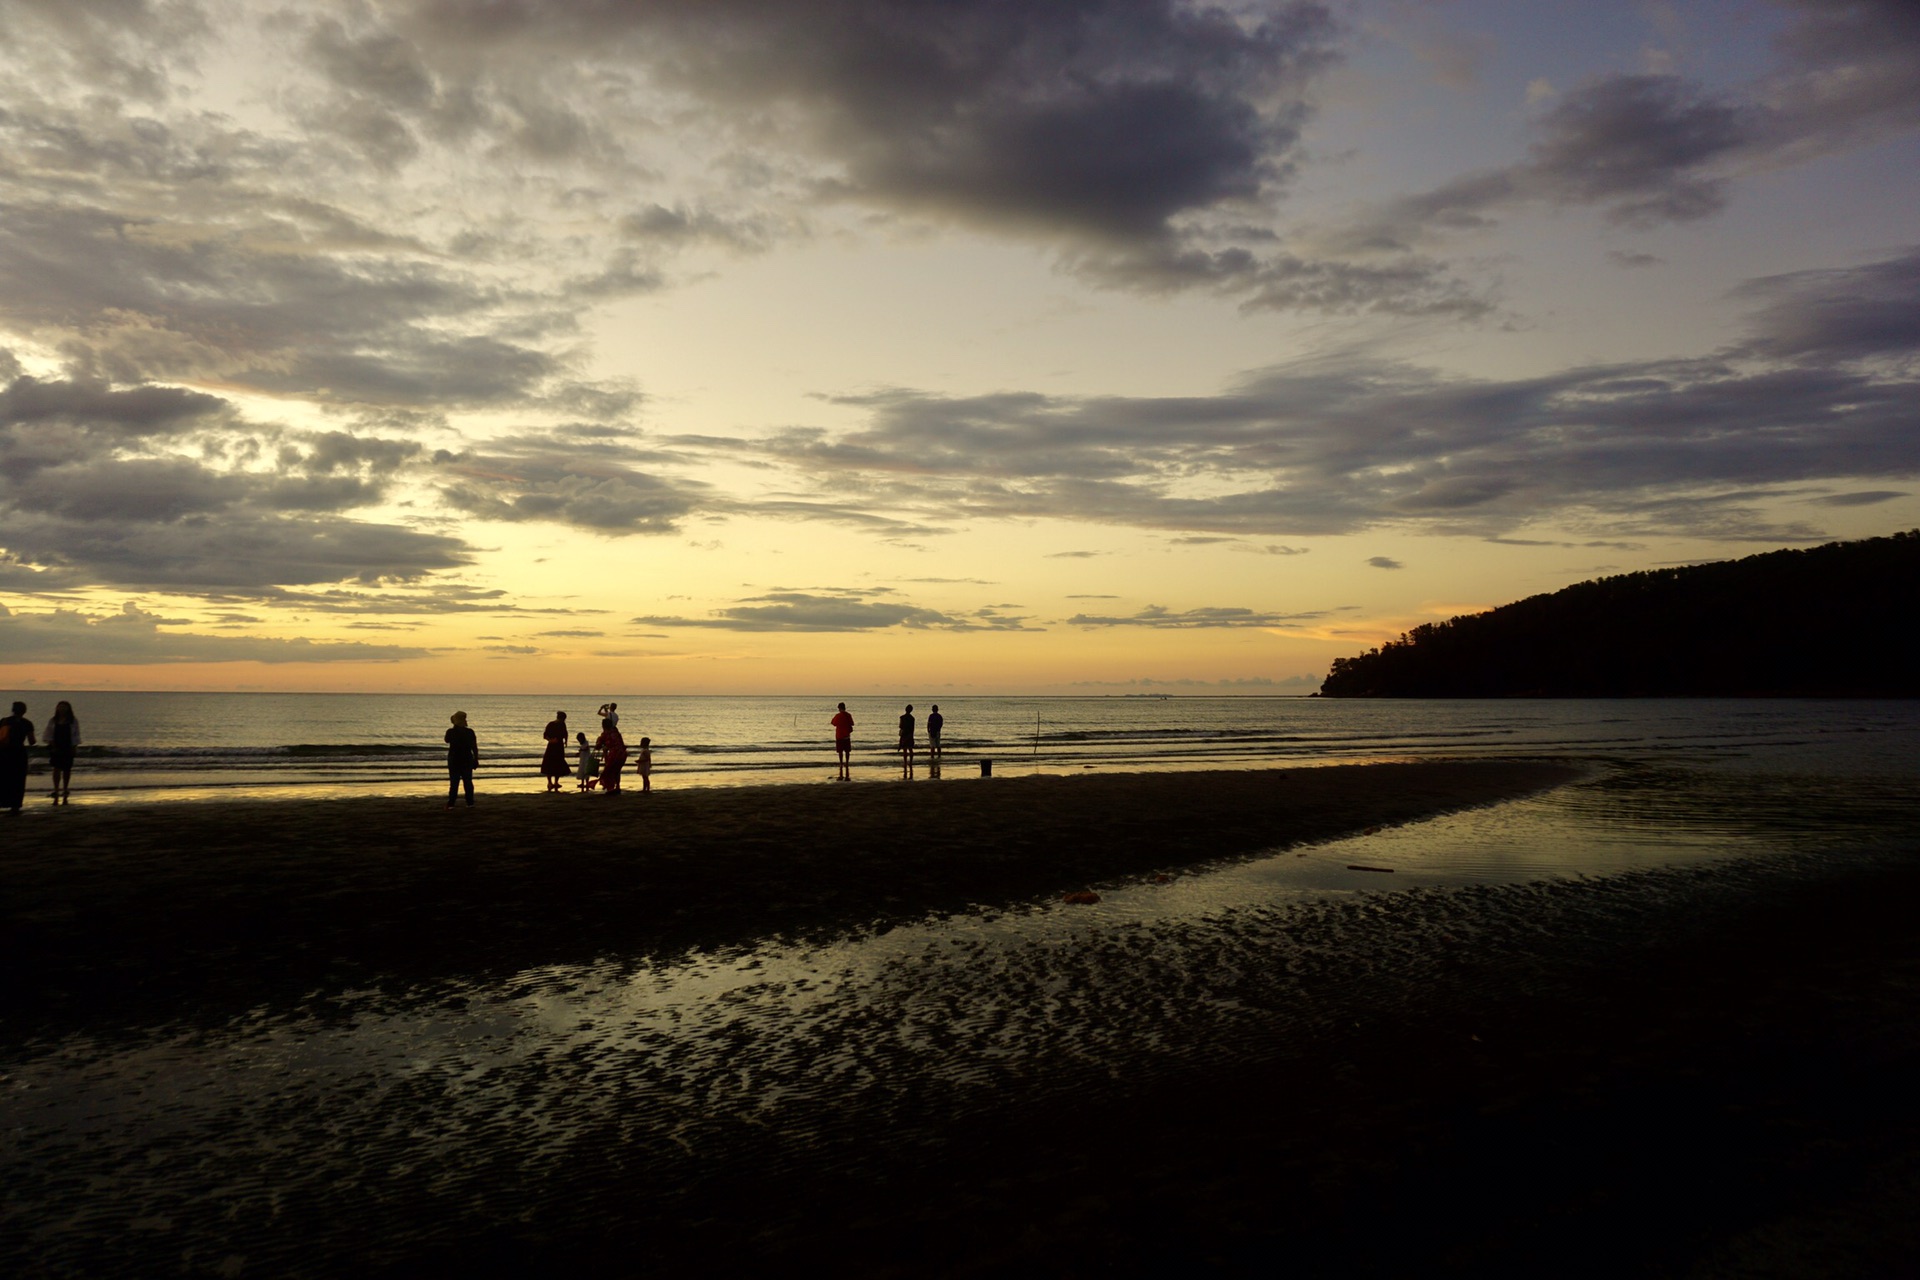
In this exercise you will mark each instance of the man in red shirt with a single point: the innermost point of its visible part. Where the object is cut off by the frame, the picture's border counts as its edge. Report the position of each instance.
(843, 743)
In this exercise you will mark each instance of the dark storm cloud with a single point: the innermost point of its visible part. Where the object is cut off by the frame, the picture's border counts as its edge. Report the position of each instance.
(1850, 73)
(1823, 391)
(1640, 146)
(1145, 141)
(1094, 117)
(1651, 149)
(1645, 148)
(86, 403)
(1162, 618)
(136, 636)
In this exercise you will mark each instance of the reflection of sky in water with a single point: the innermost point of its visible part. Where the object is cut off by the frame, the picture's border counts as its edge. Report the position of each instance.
(490, 1097)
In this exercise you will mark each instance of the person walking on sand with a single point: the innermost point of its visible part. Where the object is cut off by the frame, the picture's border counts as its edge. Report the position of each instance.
(554, 763)
(643, 765)
(16, 735)
(63, 743)
(906, 742)
(463, 757)
(935, 721)
(588, 771)
(613, 754)
(843, 743)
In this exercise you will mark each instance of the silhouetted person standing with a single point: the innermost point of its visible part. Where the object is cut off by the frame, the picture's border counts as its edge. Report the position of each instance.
(843, 743)
(463, 757)
(63, 744)
(613, 755)
(935, 722)
(16, 735)
(554, 763)
(906, 743)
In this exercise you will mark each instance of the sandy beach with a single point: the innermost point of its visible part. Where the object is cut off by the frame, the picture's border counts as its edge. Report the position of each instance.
(1688, 1071)
(204, 909)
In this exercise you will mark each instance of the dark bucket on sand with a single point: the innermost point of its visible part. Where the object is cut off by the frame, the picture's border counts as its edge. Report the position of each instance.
(986, 768)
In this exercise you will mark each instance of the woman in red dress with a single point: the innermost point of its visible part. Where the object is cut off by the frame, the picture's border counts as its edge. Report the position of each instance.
(554, 763)
(613, 754)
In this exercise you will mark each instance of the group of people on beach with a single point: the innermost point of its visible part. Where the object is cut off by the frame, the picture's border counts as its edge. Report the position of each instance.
(596, 767)
(16, 735)
(843, 741)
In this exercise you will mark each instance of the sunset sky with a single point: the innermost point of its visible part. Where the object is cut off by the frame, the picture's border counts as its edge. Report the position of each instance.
(822, 346)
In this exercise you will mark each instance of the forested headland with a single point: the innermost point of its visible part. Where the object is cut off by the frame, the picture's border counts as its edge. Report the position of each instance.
(1829, 621)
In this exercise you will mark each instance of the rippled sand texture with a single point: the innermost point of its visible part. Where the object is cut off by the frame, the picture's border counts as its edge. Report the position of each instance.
(813, 1095)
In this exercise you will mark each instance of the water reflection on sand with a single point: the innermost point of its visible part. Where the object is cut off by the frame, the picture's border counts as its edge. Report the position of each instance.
(286, 1143)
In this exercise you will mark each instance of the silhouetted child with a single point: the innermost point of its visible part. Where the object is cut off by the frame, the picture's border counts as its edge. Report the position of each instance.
(645, 765)
(588, 775)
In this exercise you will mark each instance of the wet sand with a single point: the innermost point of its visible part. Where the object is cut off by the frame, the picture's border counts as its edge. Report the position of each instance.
(199, 911)
(1685, 1071)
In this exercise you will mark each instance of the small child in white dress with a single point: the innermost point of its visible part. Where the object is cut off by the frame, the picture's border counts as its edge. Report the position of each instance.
(587, 773)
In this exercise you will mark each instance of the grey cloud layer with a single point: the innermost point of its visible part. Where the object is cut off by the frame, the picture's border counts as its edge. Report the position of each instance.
(1148, 142)
(1103, 117)
(582, 475)
(135, 636)
(378, 237)
(1649, 148)
(157, 486)
(841, 609)
(1822, 391)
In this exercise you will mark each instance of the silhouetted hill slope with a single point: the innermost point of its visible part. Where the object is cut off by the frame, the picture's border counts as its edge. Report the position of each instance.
(1832, 621)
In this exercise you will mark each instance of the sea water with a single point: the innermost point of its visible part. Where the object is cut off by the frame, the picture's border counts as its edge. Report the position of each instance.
(152, 745)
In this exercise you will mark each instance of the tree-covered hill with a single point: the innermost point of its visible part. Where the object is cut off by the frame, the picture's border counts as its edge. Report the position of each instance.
(1831, 621)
